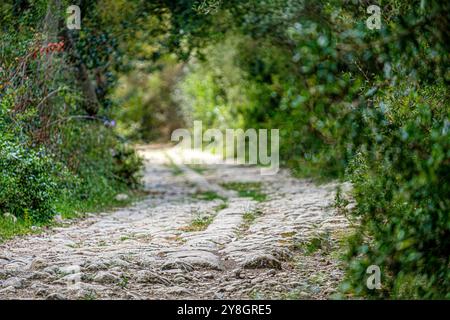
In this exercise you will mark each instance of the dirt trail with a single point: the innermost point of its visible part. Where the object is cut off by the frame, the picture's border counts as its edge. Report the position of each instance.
(191, 237)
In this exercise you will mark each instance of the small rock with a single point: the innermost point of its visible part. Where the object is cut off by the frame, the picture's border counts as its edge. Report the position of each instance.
(315, 289)
(119, 263)
(230, 288)
(105, 277)
(72, 278)
(219, 295)
(282, 254)
(13, 282)
(96, 266)
(70, 269)
(68, 243)
(82, 290)
(115, 270)
(38, 264)
(271, 272)
(58, 218)
(304, 295)
(55, 296)
(178, 291)
(5, 256)
(51, 269)
(194, 258)
(132, 296)
(180, 278)
(9, 289)
(256, 281)
(122, 197)
(38, 275)
(42, 292)
(208, 275)
(35, 228)
(261, 261)
(179, 265)
(172, 272)
(238, 274)
(145, 276)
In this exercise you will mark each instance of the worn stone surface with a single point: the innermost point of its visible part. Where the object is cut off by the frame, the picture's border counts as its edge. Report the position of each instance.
(148, 251)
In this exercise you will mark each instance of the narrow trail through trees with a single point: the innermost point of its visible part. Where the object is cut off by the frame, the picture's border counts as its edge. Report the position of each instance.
(213, 231)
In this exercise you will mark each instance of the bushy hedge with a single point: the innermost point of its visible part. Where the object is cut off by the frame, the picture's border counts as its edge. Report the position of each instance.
(402, 189)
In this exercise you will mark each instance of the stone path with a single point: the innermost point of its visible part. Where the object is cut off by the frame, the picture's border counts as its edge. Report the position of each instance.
(191, 237)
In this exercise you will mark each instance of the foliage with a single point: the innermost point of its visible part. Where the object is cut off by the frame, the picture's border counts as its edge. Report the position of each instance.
(401, 187)
(247, 189)
(28, 186)
(58, 146)
(149, 111)
(127, 166)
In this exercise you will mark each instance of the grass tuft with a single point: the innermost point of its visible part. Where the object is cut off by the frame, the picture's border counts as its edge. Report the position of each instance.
(247, 190)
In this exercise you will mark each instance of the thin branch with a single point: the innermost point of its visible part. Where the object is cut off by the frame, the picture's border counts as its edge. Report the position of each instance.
(48, 96)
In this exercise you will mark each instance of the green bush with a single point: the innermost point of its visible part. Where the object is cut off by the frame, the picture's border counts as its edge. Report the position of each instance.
(28, 183)
(402, 189)
(102, 152)
(127, 166)
(30, 179)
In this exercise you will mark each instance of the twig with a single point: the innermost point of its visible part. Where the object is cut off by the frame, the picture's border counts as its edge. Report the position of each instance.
(48, 96)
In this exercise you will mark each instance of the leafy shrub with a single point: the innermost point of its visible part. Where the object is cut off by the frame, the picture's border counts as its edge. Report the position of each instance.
(127, 166)
(402, 189)
(28, 185)
(103, 164)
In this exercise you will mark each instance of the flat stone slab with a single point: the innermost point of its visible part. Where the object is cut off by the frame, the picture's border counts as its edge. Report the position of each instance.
(198, 259)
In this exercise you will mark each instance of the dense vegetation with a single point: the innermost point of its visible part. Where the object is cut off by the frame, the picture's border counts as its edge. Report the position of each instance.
(367, 106)
(58, 150)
